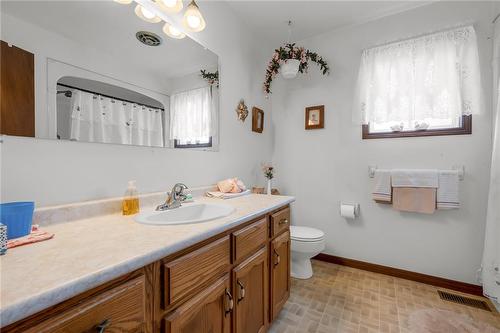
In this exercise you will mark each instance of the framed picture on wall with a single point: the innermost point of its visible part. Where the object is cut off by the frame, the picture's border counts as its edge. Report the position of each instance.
(257, 120)
(315, 117)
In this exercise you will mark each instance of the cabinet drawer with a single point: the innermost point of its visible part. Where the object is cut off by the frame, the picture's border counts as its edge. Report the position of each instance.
(280, 221)
(120, 309)
(194, 270)
(249, 239)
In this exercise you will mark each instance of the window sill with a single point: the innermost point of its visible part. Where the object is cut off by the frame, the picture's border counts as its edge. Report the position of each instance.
(193, 145)
(466, 128)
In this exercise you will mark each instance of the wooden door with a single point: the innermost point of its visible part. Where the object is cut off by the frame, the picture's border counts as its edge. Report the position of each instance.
(17, 88)
(210, 311)
(280, 272)
(250, 286)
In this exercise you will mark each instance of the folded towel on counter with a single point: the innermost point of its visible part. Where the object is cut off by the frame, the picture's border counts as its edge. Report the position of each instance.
(36, 236)
(382, 191)
(414, 178)
(222, 195)
(414, 199)
(447, 192)
(231, 185)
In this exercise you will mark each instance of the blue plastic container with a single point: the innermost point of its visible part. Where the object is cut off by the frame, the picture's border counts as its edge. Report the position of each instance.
(18, 217)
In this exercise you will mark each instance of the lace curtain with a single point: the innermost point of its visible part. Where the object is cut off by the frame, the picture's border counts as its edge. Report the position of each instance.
(433, 79)
(191, 114)
(491, 253)
(96, 118)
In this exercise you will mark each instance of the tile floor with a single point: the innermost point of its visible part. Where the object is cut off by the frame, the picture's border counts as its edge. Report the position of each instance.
(343, 299)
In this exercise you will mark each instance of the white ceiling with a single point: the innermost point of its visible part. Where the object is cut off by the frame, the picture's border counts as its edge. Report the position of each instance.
(111, 27)
(268, 19)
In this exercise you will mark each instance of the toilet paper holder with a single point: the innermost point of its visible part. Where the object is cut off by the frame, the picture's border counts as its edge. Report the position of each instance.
(355, 210)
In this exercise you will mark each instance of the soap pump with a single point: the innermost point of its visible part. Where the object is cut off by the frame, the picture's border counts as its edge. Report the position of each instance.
(130, 203)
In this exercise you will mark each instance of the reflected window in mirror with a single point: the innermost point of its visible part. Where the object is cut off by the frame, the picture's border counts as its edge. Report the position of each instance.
(192, 115)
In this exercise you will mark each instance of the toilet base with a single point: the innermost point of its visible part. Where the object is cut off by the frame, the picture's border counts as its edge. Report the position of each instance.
(301, 268)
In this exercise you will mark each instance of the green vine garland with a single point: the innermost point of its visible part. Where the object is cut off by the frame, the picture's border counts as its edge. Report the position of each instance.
(211, 77)
(290, 51)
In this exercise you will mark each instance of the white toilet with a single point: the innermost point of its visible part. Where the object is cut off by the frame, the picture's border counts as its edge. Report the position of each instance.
(306, 243)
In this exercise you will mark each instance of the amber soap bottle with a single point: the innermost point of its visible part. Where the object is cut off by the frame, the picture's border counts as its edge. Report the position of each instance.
(130, 203)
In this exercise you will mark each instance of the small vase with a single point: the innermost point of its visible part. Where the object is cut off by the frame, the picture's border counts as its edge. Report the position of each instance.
(269, 186)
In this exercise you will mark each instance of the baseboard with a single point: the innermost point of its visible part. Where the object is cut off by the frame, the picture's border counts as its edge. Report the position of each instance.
(404, 274)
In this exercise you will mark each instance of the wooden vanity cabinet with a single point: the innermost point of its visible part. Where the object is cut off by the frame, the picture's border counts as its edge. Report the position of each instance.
(234, 282)
(210, 311)
(280, 273)
(120, 309)
(250, 286)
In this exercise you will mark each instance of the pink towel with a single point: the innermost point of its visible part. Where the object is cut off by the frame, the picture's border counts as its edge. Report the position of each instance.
(36, 235)
(414, 199)
(231, 185)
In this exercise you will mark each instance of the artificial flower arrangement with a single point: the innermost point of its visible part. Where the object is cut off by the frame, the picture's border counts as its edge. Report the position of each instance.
(211, 77)
(268, 170)
(290, 51)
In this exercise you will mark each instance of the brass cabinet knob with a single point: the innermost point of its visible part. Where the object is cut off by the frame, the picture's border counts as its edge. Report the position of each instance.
(241, 295)
(230, 302)
(101, 328)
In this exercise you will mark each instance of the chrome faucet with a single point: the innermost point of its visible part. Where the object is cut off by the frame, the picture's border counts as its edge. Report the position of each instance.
(174, 198)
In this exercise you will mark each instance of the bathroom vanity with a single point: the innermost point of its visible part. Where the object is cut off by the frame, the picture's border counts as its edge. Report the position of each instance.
(226, 275)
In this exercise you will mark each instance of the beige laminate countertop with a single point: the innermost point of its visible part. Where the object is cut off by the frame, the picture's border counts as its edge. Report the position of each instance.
(89, 252)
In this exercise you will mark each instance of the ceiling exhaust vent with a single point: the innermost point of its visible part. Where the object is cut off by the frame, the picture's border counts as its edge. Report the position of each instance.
(148, 38)
(475, 303)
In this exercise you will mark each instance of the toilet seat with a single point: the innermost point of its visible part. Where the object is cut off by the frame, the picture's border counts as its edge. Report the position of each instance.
(306, 234)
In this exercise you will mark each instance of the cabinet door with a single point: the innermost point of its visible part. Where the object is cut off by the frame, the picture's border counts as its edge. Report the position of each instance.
(250, 286)
(17, 88)
(280, 272)
(208, 312)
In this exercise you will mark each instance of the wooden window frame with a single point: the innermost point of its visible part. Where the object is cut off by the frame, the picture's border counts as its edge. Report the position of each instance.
(465, 128)
(193, 145)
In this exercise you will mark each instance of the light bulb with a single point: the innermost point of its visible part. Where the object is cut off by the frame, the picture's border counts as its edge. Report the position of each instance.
(170, 6)
(169, 3)
(173, 32)
(193, 20)
(146, 15)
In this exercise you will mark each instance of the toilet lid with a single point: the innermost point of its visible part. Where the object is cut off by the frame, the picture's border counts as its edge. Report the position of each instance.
(305, 234)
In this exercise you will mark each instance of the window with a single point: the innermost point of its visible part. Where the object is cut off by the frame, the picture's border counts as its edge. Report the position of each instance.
(420, 87)
(191, 123)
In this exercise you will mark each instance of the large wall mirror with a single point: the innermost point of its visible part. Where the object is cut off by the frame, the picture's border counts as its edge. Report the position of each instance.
(93, 71)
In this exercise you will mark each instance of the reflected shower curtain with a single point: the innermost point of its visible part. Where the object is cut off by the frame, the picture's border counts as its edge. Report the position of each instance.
(491, 254)
(96, 118)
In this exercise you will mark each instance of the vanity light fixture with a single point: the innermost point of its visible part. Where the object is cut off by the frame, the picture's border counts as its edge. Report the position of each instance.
(124, 2)
(146, 14)
(170, 6)
(172, 31)
(193, 20)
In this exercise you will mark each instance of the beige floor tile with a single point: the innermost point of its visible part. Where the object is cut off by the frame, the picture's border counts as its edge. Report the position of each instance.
(339, 299)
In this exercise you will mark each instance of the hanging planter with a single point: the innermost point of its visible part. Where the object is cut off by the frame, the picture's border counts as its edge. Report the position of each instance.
(289, 60)
(290, 68)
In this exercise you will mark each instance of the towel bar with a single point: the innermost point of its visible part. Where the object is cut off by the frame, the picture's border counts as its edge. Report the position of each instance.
(459, 168)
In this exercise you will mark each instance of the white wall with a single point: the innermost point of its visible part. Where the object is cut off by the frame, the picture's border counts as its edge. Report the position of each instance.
(325, 167)
(54, 172)
(48, 46)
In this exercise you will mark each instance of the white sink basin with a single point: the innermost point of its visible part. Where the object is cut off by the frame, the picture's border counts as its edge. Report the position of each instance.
(186, 214)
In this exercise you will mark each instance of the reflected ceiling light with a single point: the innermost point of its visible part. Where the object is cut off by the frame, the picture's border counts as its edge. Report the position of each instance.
(193, 20)
(146, 14)
(172, 31)
(124, 2)
(170, 6)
